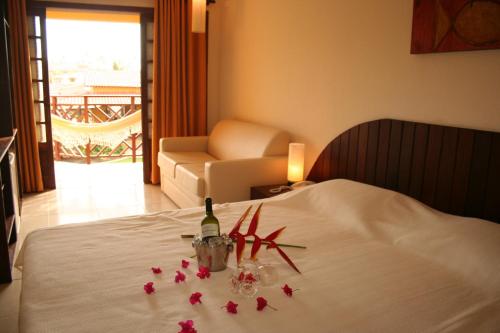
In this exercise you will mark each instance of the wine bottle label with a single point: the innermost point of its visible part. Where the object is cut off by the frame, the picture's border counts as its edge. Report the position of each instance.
(209, 230)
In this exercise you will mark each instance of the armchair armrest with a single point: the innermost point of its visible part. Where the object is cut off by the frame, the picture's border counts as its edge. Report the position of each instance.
(188, 143)
(230, 180)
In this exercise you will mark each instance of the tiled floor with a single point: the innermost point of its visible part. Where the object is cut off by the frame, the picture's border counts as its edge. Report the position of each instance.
(84, 193)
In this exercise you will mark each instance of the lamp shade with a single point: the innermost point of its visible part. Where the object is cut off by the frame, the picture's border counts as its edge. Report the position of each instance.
(296, 162)
(199, 12)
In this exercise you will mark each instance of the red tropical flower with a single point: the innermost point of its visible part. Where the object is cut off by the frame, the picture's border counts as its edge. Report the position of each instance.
(287, 290)
(180, 277)
(195, 298)
(187, 326)
(203, 272)
(240, 240)
(231, 307)
(156, 270)
(148, 288)
(185, 263)
(262, 303)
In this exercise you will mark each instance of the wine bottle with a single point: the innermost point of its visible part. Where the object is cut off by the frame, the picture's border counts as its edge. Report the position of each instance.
(210, 224)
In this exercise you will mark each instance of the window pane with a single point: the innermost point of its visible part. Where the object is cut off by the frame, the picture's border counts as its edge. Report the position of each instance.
(37, 26)
(38, 48)
(149, 51)
(150, 71)
(36, 69)
(40, 133)
(150, 90)
(149, 30)
(37, 91)
(31, 26)
(32, 47)
(42, 112)
(39, 112)
(35, 47)
(150, 111)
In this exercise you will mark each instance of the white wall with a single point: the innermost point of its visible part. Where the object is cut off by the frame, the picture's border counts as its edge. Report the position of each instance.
(318, 67)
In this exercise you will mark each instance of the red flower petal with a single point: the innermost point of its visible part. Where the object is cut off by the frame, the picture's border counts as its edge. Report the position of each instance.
(255, 247)
(250, 278)
(231, 307)
(273, 245)
(195, 298)
(148, 288)
(203, 272)
(240, 246)
(179, 277)
(237, 226)
(273, 235)
(261, 303)
(187, 326)
(156, 270)
(287, 290)
(252, 228)
(185, 263)
(288, 260)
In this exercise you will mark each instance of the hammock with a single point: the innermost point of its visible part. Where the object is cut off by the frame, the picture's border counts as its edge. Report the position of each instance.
(107, 134)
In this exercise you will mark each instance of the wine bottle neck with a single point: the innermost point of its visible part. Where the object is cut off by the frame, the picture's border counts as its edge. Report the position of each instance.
(208, 207)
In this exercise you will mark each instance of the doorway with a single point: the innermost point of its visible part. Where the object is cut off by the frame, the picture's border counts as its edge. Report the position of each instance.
(95, 93)
(92, 82)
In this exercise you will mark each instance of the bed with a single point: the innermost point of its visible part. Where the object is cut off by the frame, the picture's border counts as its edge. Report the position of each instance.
(377, 260)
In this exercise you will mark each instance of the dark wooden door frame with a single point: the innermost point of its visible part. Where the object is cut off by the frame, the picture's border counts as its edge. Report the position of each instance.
(146, 15)
(71, 5)
(45, 148)
(145, 100)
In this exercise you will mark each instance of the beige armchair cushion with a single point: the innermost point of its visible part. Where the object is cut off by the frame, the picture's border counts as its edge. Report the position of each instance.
(191, 178)
(170, 160)
(233, 139)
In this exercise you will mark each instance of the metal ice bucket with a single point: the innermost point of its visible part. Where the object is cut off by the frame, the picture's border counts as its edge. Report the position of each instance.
(213, 253)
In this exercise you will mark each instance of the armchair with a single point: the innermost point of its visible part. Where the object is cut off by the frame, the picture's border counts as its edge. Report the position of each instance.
(236, 156)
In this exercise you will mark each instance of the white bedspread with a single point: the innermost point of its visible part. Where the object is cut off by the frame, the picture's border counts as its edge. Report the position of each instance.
(376, 261)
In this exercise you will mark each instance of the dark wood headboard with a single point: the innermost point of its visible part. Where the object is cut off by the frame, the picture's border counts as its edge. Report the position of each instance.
(454, 170)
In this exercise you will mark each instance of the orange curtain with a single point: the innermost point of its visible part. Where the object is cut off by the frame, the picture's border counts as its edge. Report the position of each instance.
(179, 79)
(22, 98)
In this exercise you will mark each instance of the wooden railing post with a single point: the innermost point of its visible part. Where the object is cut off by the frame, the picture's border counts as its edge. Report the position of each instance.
(57, 150)
(86, 108)
(54, 104)
(87, 152)
(134, 146)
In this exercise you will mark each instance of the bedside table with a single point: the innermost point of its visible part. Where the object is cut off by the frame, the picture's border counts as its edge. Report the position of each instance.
(262, 192)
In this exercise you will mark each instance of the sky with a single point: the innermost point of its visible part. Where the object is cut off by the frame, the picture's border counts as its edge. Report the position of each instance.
(93, 44)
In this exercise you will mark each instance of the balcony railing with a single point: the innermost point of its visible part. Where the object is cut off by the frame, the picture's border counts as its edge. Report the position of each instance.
(96, 109)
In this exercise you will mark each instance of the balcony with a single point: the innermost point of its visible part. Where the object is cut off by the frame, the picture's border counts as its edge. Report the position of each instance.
(96, 128)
